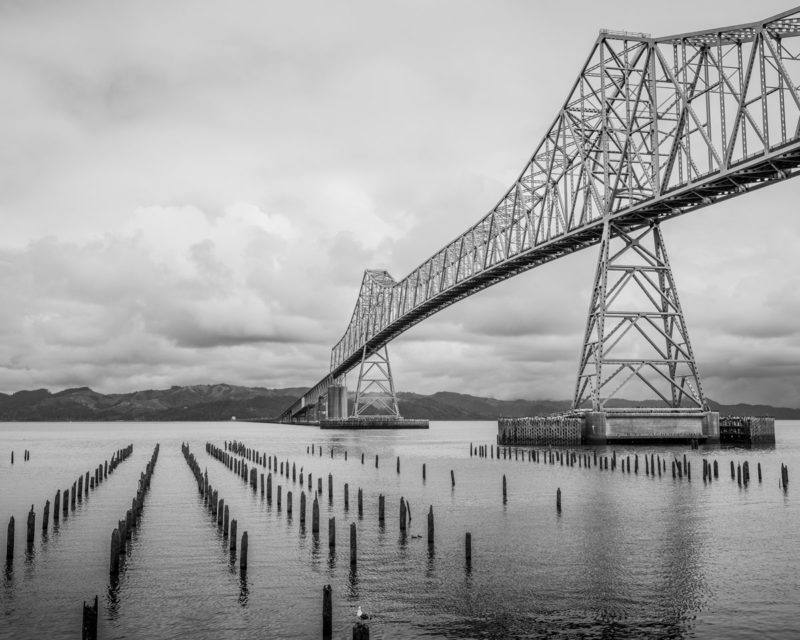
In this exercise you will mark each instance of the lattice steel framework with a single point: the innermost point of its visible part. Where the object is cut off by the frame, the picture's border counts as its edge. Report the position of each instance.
(636, 334)
(375, 394)
(651, 129)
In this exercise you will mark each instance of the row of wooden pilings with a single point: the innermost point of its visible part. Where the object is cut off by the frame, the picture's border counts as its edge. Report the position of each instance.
(124, 529)
(361, 627)
(653, 464)
(220, 512)
(80, 489)
(26, 456)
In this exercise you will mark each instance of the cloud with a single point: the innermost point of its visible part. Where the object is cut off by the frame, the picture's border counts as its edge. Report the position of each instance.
(191, 194)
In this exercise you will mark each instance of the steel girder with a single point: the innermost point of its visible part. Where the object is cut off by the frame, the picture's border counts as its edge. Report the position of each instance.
(652, 128)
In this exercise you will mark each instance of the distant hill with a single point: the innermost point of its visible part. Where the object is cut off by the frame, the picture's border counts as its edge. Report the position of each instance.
(222, 401)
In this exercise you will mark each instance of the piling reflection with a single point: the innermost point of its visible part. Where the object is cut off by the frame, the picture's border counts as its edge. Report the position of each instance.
(113, 597)
(244, 591)
(352, 582)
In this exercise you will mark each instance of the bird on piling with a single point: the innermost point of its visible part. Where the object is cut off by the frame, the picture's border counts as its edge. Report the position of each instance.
(361, 615)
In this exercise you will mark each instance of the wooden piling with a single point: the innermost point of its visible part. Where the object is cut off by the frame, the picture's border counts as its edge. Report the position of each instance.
(733, 471)
(65, 502)
(381, 506)
(232, 545)
(89, 625)
(402, 514)
(430, 525)
(31, 525)
(504, 488)
(468, 548)
(114, 568)
(269, 487)
(353, 546)
(220, 512)
(360, 502)
(10, 542)
(759, 473)
(423, 471)
(452, 479)
(315, 517)
(362, 458)
(558, 500)
(330, 486)
(279, 498)
(327, 613)
(243, 554)
(46, 515)
(346, 497)
(302, 508)
(332, 533)
(376, 460)
(226, 522)
(739, 474)
(716, 470)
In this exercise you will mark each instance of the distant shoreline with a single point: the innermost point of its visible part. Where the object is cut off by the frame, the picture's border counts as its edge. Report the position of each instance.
(222, 402)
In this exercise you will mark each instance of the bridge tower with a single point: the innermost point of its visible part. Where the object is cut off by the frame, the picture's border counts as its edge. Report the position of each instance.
(636, 341)
(375, 394)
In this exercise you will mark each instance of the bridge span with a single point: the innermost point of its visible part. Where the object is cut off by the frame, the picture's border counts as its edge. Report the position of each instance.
(652, 128)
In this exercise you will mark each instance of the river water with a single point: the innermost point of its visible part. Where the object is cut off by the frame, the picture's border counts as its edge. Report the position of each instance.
(629, 556)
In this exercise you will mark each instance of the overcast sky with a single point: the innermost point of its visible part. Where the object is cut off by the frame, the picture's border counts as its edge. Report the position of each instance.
(190, 192)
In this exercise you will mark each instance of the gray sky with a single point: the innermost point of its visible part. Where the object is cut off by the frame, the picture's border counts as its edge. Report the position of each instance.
(190, 191)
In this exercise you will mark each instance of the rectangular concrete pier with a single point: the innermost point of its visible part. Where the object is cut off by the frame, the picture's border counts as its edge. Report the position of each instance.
(610, 426)
(373, 422)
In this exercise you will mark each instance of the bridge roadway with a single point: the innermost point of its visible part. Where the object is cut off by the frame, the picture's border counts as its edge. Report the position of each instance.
(660, 161)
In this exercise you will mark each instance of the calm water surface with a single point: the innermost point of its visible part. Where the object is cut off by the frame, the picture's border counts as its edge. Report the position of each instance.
(629, 556)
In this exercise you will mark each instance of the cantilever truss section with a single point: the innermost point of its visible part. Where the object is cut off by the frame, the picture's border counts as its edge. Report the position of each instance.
(375, 395)
(636, 342)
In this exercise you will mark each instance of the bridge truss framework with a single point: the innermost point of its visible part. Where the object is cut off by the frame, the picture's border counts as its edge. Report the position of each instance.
(652, 128)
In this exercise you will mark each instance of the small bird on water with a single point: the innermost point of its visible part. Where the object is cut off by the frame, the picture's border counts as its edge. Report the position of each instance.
(361, 615)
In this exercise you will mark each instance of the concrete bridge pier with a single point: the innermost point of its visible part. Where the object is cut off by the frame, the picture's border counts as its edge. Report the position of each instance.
(601, 427)
(337, 401)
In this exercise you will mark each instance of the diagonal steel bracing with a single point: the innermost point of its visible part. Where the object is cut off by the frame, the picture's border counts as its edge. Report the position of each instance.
(375, 394)
(636, 337)
(652, 128)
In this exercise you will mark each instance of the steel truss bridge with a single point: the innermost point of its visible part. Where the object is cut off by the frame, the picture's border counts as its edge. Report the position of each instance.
(652, 128)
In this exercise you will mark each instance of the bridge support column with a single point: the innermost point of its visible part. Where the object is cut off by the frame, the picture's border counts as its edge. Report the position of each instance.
(337, 401)
(636, 345)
